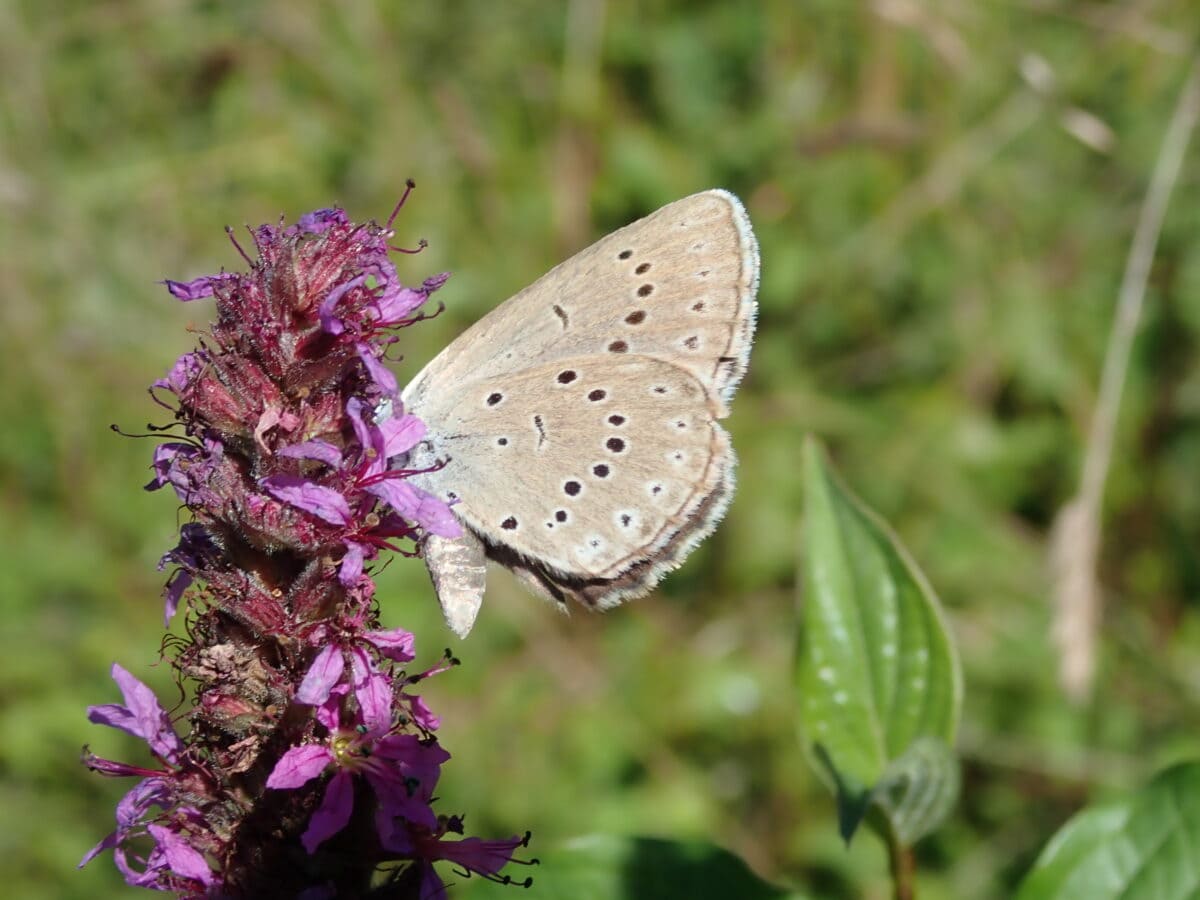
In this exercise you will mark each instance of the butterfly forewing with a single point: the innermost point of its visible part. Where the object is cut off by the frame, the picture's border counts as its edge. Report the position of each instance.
(678, 284)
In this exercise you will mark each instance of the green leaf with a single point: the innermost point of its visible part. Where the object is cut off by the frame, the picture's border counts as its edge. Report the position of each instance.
(608, 867)
(1143, 847)
(918, 789)
(879, 683)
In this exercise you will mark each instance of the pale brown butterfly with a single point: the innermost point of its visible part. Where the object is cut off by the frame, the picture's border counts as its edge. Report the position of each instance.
(576, 423)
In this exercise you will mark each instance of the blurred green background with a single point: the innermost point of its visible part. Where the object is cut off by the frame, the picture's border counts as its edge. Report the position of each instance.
(944, 193)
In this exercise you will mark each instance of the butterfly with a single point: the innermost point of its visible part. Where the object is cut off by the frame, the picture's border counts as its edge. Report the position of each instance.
(574, 429)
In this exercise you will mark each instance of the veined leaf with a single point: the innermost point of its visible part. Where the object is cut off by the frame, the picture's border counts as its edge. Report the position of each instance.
(878, 675)
(1143, 847)
(918, 789)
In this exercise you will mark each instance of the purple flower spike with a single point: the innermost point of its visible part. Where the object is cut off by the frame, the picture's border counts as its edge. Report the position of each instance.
(286, 426)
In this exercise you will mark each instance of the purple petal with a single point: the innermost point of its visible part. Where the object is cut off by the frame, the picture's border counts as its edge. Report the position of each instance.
(323, 502)
(420, 760)
(369, 436)
(329, 713)
(165, 470)
(380, 374)
(432, 886)
(396, 303)
(433, 282)
(142, 716)
(130, 809)
(362, 430)
(271, 416)
(179, 582)
(417, 506)
(401, 434)
(329, 322)
(134, 878)
(323, 451)
(373, 690)
(334, 813)
(198, 288)
(181, 858)
(405, 779)
(322, 675)
(478, 855)
(351, 568)
(321, 220)
(136, 803)
(394, 643)
(400, 796)
(422, 714)
(300, 765)
(107, 844)
(185, 369)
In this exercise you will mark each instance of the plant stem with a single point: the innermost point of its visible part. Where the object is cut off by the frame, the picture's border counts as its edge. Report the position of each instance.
(1076, 542)
(904, 868)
